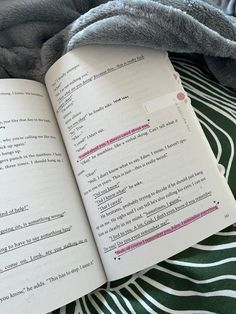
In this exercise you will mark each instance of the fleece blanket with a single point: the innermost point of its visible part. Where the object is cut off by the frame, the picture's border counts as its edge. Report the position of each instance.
(35, 33)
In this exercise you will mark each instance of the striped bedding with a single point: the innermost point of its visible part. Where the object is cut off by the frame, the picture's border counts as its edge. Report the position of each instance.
(202, 279)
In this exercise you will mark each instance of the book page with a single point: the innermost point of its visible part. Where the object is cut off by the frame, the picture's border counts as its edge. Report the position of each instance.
(48, 255)
(148, 178)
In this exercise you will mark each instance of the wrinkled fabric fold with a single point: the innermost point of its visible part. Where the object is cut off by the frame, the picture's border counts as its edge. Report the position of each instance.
(34, 34)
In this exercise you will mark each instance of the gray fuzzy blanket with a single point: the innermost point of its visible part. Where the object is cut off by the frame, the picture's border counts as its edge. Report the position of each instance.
(35, 33)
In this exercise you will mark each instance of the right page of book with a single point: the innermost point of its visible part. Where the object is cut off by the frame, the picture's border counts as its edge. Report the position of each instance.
(147, 175)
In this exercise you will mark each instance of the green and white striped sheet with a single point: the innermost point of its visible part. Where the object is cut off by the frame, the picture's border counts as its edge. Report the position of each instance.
(202, 279)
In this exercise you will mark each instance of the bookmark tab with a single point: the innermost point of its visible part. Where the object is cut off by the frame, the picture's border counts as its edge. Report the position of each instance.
(164, 101)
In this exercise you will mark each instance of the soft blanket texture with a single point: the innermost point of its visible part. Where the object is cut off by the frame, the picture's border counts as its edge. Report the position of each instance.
(34, 34)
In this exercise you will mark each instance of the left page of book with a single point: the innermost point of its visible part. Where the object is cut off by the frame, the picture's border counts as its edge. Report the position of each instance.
(47, 252)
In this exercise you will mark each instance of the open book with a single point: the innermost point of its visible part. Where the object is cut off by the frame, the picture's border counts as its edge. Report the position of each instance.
(103, 172)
